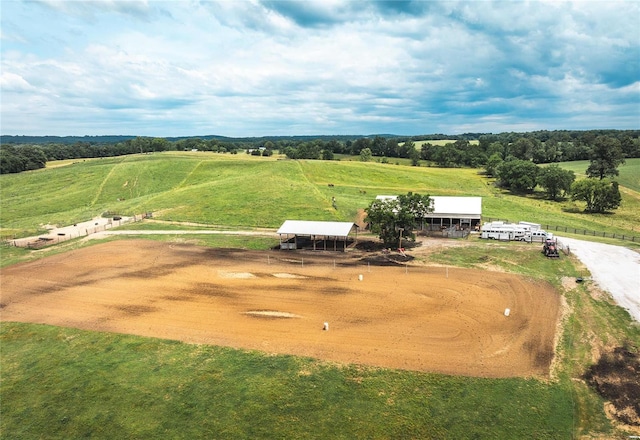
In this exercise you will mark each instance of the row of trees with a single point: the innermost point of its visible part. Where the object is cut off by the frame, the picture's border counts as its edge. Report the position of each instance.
(537, 147)
(23, 158)
(377, 146)
(18, 158)
(599, 194)
(462, 153)
(598, 191)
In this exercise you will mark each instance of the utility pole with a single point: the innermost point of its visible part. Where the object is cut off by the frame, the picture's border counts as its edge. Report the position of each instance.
(400, 238)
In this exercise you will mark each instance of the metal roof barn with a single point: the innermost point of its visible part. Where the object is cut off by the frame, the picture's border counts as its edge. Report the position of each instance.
(315, 231)
(444, 206)
(461, 213)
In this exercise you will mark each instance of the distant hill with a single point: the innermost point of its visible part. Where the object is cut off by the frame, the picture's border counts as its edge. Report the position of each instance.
(9, 139)
(114, 139)
(542, 135)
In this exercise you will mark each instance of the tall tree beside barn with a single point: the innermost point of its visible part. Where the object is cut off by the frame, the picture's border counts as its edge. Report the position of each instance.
(396, 219)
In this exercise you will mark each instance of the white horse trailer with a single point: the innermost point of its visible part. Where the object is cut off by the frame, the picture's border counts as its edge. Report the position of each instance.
(504, 231)
(532, 226)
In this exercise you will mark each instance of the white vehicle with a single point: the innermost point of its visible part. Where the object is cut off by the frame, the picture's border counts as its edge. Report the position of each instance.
(541, 235)
(531, 226)
(504, 231)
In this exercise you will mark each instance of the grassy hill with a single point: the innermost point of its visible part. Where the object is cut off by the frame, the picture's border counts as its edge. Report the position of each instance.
(242, 190)
(629, 172)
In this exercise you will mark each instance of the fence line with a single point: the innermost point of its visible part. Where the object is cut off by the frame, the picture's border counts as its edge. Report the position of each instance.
(47, 240)
(586, 232)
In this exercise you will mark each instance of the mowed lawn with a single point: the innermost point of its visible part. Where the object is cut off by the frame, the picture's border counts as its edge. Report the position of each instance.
(63, 383)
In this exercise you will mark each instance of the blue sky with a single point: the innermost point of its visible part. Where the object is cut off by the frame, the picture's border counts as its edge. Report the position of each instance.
(261, 68)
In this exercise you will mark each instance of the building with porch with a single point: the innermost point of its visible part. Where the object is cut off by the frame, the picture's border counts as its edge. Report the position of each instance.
(451, 213)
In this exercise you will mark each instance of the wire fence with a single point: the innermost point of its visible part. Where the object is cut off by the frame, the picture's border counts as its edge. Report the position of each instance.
(578, 231)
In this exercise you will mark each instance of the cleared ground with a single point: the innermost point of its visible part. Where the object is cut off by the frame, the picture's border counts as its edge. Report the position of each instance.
(416, 318)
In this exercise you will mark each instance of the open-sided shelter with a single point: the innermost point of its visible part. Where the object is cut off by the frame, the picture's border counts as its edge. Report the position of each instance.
(295, 234)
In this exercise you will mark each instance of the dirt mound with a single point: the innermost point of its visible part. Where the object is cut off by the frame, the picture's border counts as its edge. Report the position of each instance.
(387, 259)
(615, 377)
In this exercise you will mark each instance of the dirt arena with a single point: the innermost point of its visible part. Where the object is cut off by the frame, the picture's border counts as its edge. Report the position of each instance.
(408, 317)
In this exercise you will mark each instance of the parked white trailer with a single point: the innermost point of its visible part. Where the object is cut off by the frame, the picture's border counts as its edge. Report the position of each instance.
(532, 226)
(504, 231)
(522, 231)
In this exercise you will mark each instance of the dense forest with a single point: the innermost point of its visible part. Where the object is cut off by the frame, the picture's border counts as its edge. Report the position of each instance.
(21, 153)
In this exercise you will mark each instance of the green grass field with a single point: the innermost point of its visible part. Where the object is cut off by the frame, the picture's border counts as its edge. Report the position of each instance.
(242, 190)
(441, 142)
(629, 172)
(63, 383)
(102, 385)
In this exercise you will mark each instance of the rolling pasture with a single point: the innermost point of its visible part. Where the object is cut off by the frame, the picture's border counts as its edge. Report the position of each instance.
(629, 172)
(67, 383)
(242, 190)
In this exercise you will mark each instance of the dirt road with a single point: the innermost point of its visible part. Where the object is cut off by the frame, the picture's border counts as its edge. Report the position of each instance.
(615, 269)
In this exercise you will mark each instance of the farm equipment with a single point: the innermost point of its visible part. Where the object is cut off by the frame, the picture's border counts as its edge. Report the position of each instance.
(550, 248)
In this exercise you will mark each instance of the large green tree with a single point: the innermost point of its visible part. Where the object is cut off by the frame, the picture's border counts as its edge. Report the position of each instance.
(522, 149)
(406, 149)
(606, 156)
(448, 156)
(555, 180)
(518, 175)
(599, 195)
(378, 146)
(359, 145)
(396, 219)
(365, 155)
(492, 164)
(15, 159)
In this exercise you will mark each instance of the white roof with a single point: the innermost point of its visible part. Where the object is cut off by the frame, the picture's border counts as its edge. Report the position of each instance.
(457, 205)
(303, 227)
(450, 205)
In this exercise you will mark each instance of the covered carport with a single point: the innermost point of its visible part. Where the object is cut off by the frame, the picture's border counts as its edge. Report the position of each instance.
(318, 235)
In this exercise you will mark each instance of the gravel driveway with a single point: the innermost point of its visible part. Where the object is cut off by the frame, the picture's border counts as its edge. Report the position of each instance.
(615, 269)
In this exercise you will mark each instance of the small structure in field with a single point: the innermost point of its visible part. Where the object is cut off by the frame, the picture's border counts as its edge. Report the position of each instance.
(317, 235)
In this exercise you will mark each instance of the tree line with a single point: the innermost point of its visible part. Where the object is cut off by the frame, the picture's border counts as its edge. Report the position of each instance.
(513, 158)
(474, 150)
(599, 191)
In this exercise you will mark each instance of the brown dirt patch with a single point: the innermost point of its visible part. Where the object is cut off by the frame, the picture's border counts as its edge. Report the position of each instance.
(414, 318)
(615, 377)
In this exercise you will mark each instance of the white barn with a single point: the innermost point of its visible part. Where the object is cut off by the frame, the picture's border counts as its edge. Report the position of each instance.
(450, 212)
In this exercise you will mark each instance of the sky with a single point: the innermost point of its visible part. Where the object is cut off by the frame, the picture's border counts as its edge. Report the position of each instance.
(326, 67)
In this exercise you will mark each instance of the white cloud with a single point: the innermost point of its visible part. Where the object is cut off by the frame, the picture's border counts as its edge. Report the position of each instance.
(10, 82)
(249, 68)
